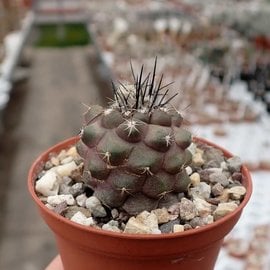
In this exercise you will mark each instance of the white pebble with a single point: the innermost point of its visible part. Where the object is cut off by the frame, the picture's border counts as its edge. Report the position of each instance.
(162, 215)
(72, 151)
(202, 190)
(136, 227)
(65, 169)
(56, 199)
(197, 159)
(203, 207)
(178, 228)
(223, 209)
(188, 170)
(149, 219)
(48, 184)
(237, 192)
(95, 206)
(145, 222)
(66, 160)
(195, 179)
(81, 199)
(80, 218)
(109, 227)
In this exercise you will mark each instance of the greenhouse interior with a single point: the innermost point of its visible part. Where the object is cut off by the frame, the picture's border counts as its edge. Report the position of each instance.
(58, 58)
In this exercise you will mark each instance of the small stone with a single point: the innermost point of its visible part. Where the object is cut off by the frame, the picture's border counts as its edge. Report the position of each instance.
(237, 192)
(213, 154)
(195, 179)
(64, 189)
(178, 228)
(201, 221)
(95, 206)
(112, 226)
(136, 227)
(162, 215)
(187, 227)
(114, 213)
(72, 210)
(237, 176)
(62, 154)
(204, 175)
(81, 199)
(48, 184)
(150, 220)
(66, 160)
(217, 189)
(145, 222)
(60, 208)
(66, 180)
(76, 189)
(234, 164)
(223, 166)
(168, 227)
(55, 161)
(187, 209)
(203, 207)
(202, 190)
(56, 199)
(197, 159)
(65, 169)
(219, 177)
(223, 209)
(80, 218)
(48, 165)
(72, 151)
(224, 197)
(188, 170)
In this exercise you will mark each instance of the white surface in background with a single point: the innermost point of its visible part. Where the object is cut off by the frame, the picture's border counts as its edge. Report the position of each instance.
(257, 212)
(250, 141)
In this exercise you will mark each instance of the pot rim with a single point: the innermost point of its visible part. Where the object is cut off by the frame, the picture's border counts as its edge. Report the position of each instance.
(71, 141)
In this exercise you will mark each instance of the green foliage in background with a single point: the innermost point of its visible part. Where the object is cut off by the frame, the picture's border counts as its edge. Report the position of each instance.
(62, 35)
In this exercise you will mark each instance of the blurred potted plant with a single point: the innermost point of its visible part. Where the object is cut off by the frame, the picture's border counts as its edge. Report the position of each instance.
(141, 172)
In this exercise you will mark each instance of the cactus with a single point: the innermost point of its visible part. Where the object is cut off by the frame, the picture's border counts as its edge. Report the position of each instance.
(135, 151)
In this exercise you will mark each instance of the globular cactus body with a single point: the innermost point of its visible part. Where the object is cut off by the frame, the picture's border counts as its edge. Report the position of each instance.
(135, 152)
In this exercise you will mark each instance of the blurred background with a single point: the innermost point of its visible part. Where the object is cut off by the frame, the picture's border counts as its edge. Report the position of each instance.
(57, 55)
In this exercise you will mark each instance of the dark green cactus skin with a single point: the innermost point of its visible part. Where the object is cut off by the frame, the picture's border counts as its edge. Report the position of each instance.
(134, 160)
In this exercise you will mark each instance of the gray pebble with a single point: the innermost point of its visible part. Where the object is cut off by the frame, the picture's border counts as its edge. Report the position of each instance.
(114, 213)
(187, 209)
(234, 164)
(217, 189)
(76, 189)
(60, 208)
(201, 221)
(64, 189)
(168, 227)
(187, 227)
(219, 177)
(213, 154)
(95, 207)
(202, 190)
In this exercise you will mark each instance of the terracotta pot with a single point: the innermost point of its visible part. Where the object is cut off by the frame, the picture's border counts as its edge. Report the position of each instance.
(87, 248)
